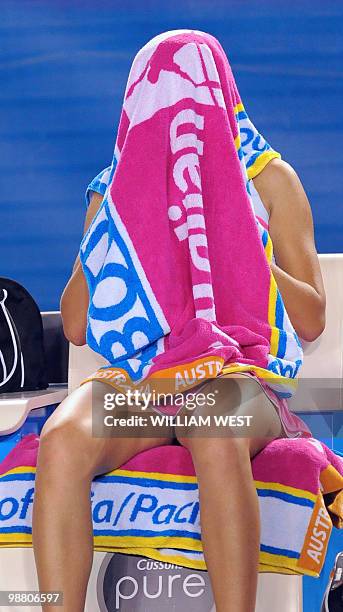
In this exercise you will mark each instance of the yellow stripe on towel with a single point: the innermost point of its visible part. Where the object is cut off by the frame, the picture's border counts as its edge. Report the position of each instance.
(238, 142)
(276, 486)
(283, 565)
(127, 542)
(239, 108)
(261, 162)
(268, 375)
(273, 292)
(21, 469)
(153, 476)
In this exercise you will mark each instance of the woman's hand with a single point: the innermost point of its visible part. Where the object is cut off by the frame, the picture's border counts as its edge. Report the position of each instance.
(297, 272)
(75, 297)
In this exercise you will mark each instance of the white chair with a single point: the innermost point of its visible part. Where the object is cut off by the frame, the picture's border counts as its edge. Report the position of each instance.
(324, 359)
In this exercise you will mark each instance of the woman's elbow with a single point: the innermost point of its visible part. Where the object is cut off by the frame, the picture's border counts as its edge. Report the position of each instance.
(312, 333)
(314, 328)
(74, 327)
(76, 334)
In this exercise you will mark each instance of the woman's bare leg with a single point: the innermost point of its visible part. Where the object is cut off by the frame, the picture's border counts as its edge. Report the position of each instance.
(69, 458)
(229, 510)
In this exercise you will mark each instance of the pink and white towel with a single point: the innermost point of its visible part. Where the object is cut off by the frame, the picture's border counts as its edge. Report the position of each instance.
(150, 506)
(177, 263)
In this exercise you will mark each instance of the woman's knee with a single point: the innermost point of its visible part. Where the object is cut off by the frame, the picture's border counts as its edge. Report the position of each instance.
(65, 445)
(220, 451)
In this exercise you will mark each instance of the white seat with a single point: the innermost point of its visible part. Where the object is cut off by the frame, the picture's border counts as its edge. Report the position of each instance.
(321, 384)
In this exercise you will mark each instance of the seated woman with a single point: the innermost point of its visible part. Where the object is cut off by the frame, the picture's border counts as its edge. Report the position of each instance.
(189, 210)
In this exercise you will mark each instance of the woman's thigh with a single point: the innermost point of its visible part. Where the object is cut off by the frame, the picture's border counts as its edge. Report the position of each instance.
(71, 427)
(240, 403)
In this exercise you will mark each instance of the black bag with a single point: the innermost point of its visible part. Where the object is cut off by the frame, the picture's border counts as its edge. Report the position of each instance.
(22, 358)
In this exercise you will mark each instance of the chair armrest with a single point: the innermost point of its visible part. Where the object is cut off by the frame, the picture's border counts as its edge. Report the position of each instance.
(14, 407)
(321, 376)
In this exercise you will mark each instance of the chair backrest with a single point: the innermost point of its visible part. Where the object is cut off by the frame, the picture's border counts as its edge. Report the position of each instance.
(82, 362)
(323, 358)
(56, 347)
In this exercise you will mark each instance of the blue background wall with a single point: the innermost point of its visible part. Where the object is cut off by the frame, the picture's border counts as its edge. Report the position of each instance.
(63, 70)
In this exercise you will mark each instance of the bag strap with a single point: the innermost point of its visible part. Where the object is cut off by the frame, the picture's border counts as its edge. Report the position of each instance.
(18, 355)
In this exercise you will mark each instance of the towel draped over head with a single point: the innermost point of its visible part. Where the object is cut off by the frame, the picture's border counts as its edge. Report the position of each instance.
(177, 263)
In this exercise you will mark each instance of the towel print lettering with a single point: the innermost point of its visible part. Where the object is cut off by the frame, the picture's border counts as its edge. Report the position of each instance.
(121, 315)
(193, 228)
(317, 537)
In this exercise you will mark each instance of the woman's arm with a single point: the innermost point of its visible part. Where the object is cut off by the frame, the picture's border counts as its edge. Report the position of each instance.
(297, 272)
(75, 297)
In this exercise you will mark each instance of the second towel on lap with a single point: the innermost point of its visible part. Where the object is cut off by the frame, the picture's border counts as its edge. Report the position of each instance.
(150, 506)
